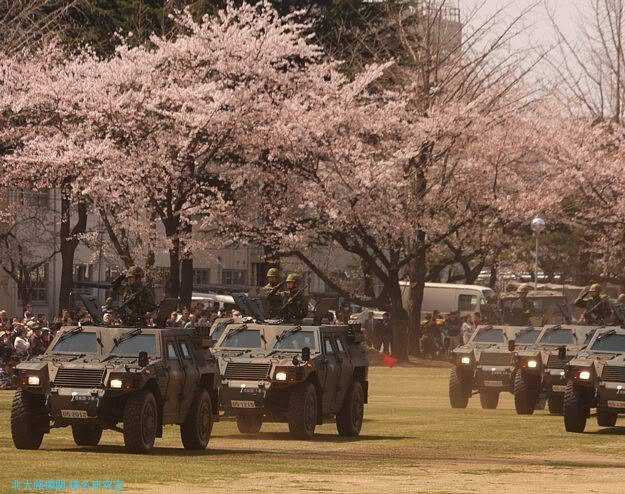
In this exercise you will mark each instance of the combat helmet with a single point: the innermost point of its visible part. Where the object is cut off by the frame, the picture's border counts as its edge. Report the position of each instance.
(134, 272)
(273, 273)
(524, 288)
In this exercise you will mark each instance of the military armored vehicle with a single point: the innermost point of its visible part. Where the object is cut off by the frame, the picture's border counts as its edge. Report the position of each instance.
(485, 364)
(539, 370)
(94, 378)
(595, 378)
(299, 374)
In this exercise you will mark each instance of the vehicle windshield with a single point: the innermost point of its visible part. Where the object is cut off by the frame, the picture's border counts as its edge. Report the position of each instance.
(610, 343)
(559, 337)
(525, 337)
(77, 343)
(297, 341)
(490, 336)
(135, 344)
(247, 338)
(219, 330)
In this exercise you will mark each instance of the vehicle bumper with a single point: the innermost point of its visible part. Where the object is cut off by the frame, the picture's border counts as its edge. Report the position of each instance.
(554, 381)
(75, 406)
(244, 397)
(494, 377)
(611, 396)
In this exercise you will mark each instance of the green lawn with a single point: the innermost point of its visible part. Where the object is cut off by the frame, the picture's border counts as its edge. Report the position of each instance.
(408, 424)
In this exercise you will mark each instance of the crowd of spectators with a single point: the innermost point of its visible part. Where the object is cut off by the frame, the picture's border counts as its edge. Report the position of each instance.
(442, 333)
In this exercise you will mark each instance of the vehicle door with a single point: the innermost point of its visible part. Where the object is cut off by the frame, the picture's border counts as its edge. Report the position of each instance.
(175, 382)
(191, 376)
(332, 374)
(346, 369)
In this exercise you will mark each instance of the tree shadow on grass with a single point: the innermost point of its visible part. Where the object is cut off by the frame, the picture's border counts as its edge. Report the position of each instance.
(181, 452)
(320, 438)
(610, 431)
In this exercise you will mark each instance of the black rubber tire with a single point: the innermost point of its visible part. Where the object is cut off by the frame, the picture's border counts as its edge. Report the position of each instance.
(350, 416)
(302, 414)
(525, 393)
(87, 434)
(575, 409)
(489, 399)
(555, 403)
(196, 430)
(606, 418)
(140, 422)
(459, 389)
(26, 413)
(249, 424)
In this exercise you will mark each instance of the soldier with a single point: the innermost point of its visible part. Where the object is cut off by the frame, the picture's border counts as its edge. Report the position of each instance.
(596, 305)
(522, 309)
(135, 298)
(294, 303)
(272, 292)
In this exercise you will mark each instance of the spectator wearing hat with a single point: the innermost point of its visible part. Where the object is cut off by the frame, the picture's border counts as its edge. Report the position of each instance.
(21, 343)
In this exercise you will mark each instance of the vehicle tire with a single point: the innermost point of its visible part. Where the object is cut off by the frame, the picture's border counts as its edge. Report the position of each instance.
(302, 414)
(249, 424)
(489, 399)
(140, 422)
(459, 389)
(575, 409)
(196, 430)
(555, 402)
(349, 418)
(87, 434)
(606, 418)
(525, 393)
(26, 413)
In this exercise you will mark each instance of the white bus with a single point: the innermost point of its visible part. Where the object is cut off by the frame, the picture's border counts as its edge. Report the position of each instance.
(448, 297)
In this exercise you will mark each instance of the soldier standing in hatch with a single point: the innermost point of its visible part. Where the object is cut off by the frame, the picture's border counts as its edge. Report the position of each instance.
(135, 298)
(596, 306)
(294, 302)
(522, 309)
(271, 291)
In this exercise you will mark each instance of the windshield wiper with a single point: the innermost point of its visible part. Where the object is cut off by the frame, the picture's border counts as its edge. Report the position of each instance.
(607, 333)
(126, 336)
(234, 331)
(71, 332)
(288, 332)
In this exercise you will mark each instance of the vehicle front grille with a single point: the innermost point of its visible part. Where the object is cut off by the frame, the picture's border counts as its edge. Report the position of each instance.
(247, 372)
(79, 378)
(499, 359)
(612, 373)
(553, 362)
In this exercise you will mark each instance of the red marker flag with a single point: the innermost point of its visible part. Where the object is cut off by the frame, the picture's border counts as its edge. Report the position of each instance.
(390, 361)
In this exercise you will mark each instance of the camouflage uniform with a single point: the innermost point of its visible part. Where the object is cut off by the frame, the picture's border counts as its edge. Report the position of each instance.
(272, 294)
(134, 301)
(597, 308)
(294, 303)
(522, 309)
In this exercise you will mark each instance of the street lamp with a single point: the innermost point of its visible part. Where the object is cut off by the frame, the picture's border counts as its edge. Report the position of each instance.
(538, 226)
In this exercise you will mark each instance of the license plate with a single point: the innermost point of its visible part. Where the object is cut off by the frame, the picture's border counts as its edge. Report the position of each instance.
(560, 388)
(493, 383)
(74, 414)
(616, 404)
(242, 404)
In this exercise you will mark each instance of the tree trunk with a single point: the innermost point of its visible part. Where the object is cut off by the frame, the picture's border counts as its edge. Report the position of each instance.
(417, 274)
(172, 287)
(186, 279)
(399, 320)
(493, 276)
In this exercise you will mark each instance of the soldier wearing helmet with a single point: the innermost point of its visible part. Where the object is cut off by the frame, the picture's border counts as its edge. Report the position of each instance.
(272, 292)
(135, 298)
(597, 308)
(522, 309)
(294, 302)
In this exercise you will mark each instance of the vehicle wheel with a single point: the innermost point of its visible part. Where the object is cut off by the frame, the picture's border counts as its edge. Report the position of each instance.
(525, 393)
(140, 422)
(606, 418)
(196, 430)
(249, 424)
(459, 389)
(86, 434)
(575, 409)
(302, 413)
(27, 412)
(489, 399)
(555, 403)
(349, 418)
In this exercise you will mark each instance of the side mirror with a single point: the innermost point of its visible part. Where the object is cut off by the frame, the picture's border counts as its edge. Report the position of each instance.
(143, 359)
(562, 353)
(511, 345)
(306, 354)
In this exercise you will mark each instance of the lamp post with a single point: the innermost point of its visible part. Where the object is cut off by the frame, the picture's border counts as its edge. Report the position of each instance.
(538, 226)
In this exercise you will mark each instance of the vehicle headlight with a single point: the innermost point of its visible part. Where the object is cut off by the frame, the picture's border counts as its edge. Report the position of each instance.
(532, 364)
(281, 376)
(585, 375)
(116, 383)
(33, 380)
(465, 360)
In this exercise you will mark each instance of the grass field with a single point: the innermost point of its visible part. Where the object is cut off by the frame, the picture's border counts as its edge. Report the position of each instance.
(412, 441)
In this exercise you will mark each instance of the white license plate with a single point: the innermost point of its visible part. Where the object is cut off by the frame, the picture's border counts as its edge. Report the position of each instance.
(242, 404)
(74, 414)
(616, 404)
(493, 384)
(560, 388)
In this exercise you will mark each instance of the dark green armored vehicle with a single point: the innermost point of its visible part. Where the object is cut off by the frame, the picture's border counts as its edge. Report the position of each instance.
(595, 378)
(299, 374)
(485, 364)
(539, 370)
(130, 380)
